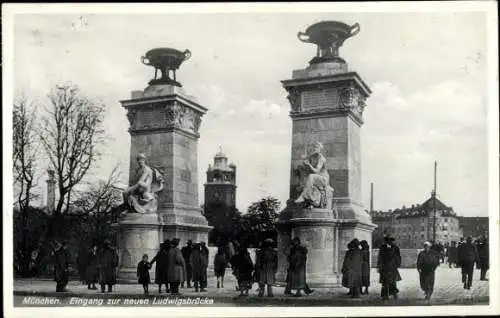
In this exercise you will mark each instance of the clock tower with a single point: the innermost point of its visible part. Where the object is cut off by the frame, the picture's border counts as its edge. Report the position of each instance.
(221, 182)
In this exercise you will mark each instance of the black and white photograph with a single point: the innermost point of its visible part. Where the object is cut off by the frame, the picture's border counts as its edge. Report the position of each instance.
(211, 159)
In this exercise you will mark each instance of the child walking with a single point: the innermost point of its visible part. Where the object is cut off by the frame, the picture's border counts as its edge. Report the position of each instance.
(143, 273)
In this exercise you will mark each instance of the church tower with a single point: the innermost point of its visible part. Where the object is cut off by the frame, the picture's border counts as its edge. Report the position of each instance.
(221, 182)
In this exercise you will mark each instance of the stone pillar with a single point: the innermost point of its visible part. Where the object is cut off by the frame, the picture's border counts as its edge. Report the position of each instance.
(51, 191)
(164, 123)
(327, 102)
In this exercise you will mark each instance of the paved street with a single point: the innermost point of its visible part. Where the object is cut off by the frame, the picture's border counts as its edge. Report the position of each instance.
(448, 290)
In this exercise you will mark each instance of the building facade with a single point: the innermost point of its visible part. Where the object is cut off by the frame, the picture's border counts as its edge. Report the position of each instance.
(220, 188)
(411, 226)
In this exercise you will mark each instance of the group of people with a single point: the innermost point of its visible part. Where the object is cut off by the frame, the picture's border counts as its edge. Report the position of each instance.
(356, 268)
(96, 265)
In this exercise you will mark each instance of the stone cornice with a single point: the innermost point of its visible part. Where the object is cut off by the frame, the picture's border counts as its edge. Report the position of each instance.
(327, 113)
(167, 98)
(149, 131)
(342, 77)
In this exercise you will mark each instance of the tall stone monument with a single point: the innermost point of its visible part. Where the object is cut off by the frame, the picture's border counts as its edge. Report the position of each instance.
(162, 200)
(325, 207)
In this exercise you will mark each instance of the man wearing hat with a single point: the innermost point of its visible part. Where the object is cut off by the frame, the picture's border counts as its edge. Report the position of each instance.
(186, 253)
(266, 265)
(467, 256)
(107, 261)
(61, 259)
(427, 262)
(389, 260)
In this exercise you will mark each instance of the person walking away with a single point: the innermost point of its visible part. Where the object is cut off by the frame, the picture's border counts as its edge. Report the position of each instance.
(483, 256)
(427, 262)
(389, 260)
(143, 273)
(91, 268)
(467, 255)
(220, 263)
(352, 268)
(452, 254)
(365, 266)
(161, 260)
(242, 269)
(298, 259)
(186, 253)
(266, 266)
(196, 260)
(176, 267)
(205, 253)
(81, 263)
(61, 260)
(107, 261)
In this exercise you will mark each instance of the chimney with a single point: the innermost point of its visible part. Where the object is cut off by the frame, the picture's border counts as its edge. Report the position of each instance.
(371, 197)
(51, 191)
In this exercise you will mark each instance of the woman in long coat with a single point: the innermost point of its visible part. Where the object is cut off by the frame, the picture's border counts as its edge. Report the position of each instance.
(91, 268)
(365, 267)
(107, 261)
(389, 260)
(176, 267)
(266, 265)
(242, 268)
(351, 269)
(298, 259)
(199, 266)
(161, 259)
(220, 263)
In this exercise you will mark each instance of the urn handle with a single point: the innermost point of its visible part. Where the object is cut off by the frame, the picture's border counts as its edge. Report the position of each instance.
(145, 60)
(187, 55)
(354, 29)
(303, 37)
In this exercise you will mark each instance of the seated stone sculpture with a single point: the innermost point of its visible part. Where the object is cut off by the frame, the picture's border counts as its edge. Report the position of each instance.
(141, 196)
(316, 190)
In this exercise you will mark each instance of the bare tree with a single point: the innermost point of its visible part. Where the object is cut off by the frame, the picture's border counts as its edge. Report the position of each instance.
(71, 133)
(24, 156)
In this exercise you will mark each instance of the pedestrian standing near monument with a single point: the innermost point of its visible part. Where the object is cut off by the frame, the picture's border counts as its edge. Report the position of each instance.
(186, 253)
(427, 262)
(107, 261)
(91, 268)
(467, 256)
(389, 260)
(352, 268)
(365, 267)
(143, 273)
(298, 259)
(205, 253)
(176, 267)
(161, 260)
(61, 260)
(199, 264)
(483, 256)
(266, 265)
(242, 269)
(220, 263)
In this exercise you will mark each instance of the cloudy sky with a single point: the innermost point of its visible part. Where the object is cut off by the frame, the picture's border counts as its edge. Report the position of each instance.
(427, 72)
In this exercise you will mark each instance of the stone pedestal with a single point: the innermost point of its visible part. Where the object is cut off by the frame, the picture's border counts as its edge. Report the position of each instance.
(327, 102)
(164, 123)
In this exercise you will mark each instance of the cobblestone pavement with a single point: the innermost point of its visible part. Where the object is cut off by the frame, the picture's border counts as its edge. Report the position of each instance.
(448, 289)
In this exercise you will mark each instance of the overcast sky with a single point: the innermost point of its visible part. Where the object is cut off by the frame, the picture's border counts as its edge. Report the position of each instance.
(427, 72)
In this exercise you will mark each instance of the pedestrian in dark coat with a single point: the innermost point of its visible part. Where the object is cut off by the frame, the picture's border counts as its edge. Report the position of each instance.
(298, 259)
(365, 267)
(186, 253)
(452, 254)
(176, 267)
(81, 262)
(242, 269)
(199, 264)
(205, 254)
(61, 260)
(352, 268)
(220, 263)
(483, 254)
(107, 261)
(161, 260)
(389, 260)
(143, 273)
(91, 268)
(266, 265)
(467, 255)
(427, 262)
